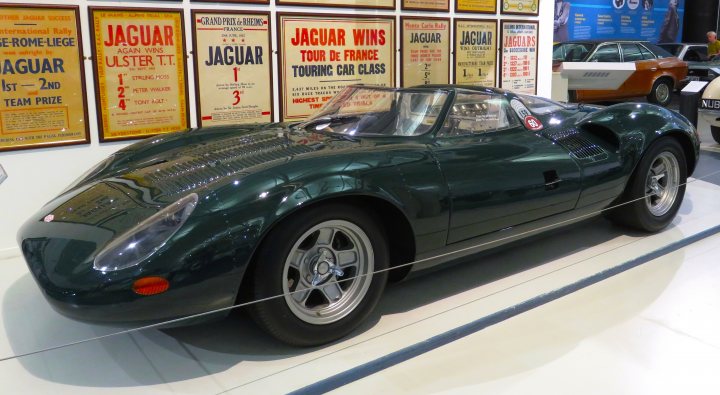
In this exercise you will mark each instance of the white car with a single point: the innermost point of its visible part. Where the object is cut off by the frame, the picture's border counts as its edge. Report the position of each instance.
(709, 108)
(689, 52)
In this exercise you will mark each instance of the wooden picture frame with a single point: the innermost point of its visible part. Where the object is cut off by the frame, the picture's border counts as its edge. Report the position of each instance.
(476, 6)
(329, 87)
(229, 117)
(364, 4)
(230, 2)
(507, 68)
(475, 62)
(146, 86)
(520, 7)
(425, 5)
(51, 112)
(426, 79)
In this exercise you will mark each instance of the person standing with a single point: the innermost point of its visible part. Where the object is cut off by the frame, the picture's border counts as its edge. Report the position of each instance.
(713, 45)
(562, 15)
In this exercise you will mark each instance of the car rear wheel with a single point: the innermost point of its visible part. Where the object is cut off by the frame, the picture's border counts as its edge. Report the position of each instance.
(661, 93)
(656, 188)
(324, 263)
(715, 130)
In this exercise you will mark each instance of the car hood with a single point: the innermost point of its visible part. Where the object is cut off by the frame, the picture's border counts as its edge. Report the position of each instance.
(142, 179)
(169, 167)
(146, 177)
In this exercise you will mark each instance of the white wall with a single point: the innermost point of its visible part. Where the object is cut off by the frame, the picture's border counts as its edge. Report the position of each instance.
(36, 176)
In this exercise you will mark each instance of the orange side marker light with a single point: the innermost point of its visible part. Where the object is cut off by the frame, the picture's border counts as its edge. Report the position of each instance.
(150, 285)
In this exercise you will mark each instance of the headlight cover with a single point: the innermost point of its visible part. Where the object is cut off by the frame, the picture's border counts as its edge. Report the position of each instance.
(146, 238)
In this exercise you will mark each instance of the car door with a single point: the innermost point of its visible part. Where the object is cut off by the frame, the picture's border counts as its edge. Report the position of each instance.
(696, 53)
(499, 173)
(605, 53)
(646, 70)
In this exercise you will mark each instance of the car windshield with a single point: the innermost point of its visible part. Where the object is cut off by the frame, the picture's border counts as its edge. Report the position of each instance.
(541, 105)
(674, 49)
(571, 52)
(361, 110)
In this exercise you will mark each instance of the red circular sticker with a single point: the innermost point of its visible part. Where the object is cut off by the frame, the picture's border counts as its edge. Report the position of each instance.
(532, 123)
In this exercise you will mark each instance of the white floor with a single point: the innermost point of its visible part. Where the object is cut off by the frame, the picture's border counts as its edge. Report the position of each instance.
(653, 329)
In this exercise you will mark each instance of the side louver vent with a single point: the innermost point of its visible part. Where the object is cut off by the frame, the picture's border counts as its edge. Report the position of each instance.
(579, 146)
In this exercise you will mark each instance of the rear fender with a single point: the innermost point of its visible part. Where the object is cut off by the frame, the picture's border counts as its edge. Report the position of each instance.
(638, 125)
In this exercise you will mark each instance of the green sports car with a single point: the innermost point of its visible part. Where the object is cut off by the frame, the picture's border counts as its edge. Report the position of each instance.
(315, 217)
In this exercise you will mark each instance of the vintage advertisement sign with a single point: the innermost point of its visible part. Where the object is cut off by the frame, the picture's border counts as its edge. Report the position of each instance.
(233, 64)
(378, 4)
(425, 51)
(475, 52)
(322, 54)
(477, 6)
(518, 59)
(139, 58)
(41, 78)
(520, 7)
(426, 5)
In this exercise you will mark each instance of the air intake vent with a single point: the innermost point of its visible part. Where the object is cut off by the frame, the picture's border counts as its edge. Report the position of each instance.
(579, 146)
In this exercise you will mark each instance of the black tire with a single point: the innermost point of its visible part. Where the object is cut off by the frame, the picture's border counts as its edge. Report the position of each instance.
(715, 130)
(661, 93)
(639, 214)
(291, 321)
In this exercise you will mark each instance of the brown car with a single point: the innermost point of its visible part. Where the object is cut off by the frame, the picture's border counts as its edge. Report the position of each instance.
(657, 72)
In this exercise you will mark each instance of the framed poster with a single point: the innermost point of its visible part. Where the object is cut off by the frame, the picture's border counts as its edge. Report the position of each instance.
(234, 1)
(426, 5)
(520, 7)
(376, 4)
(322, 54)
(425, 51)
(476, 6)
(518, 57)
(43, 101)
(233, 67)
(475, 52)
(140, 71)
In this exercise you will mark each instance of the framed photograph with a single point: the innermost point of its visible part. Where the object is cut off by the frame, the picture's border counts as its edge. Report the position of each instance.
(476, 6)
(233, 67)
(425, 51)
(321, 54)
(518, 56)
(426, 5)
(43, 78)
(140, 71)
(375, 4)
(520, 7)
(475, 52)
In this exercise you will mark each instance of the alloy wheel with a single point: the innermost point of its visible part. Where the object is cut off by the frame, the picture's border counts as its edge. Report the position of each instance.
(662, 183)
(662, 93)
(328, 272)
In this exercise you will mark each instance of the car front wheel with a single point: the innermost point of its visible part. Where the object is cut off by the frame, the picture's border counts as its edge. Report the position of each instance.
(324, 262)
(661, 93)
(656, 188)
